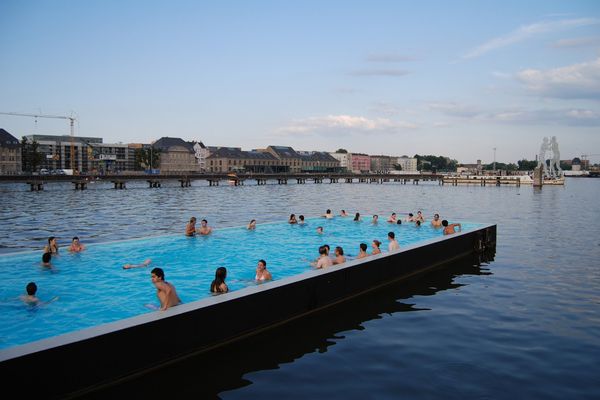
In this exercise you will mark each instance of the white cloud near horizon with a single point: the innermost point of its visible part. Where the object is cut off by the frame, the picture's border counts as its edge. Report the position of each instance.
(528, 31)
(335, 124)
(577, 81)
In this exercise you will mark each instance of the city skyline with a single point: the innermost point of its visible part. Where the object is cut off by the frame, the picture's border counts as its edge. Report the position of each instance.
(465, 80)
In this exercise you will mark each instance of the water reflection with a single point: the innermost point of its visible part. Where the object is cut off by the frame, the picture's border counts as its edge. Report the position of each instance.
(211, 374)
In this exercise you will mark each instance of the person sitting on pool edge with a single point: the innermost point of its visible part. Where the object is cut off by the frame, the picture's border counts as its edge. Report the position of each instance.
(218, 285)
(165, 291)
(449, 228)
(261, 272)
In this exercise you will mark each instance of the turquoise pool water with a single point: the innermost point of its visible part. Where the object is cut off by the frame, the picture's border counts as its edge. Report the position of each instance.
(93, 289)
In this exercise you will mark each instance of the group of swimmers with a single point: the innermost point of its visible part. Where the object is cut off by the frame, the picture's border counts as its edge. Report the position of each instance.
(167, 293)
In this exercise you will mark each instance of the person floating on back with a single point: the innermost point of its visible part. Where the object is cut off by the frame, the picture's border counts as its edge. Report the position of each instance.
(76, 245)
(141, 265)
(450, 228)
(218, 285)
(165, 291)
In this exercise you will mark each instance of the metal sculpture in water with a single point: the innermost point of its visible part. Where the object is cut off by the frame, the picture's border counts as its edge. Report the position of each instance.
(553, 170)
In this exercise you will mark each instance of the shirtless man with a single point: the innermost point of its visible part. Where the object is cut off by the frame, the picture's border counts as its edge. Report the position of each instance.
(46, 257)
(165, 291)
(328, 214)
(204, 228)
(410, 218)
(436, 222)
(320, 230)
(324, 260)
(392, 218)
(339, 256)
(76, 245)
(30, 298)
(190, 228)
(362, 253)
(419, 216)
(393, 242)
(449, 228)
(375, 219)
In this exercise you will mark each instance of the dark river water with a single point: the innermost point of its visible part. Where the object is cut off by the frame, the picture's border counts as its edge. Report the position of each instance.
(524, 326)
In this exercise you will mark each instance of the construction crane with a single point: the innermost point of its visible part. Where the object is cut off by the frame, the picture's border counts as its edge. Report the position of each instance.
(584, 157)
(71, 121)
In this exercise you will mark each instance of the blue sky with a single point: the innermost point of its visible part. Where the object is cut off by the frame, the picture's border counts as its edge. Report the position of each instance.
(454, 78)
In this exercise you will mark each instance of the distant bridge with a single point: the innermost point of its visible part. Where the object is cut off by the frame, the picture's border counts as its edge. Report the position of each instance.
(214, 179)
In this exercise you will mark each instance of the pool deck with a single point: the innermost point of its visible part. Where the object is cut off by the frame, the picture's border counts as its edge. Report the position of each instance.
(79, 362)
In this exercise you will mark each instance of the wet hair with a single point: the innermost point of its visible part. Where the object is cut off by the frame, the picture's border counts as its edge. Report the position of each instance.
(319, 228)
(50, 239)
(327, 247)
(263, 262)
(220, 275)
(31, 288)
(377, 242)
(322, 250)
(159, 273)
(418, 223)
(444, 223)
(363, 246)
(292, 216)
(75, 238)
(410, 214)
(392, 235)
(393, 213)
(46, 257)
(399, 222)
(252, 220)
(339, 250)
(357, 216)
(375, 216)
(301, 217)
(436, 215)
(205, 221)
(328, 211)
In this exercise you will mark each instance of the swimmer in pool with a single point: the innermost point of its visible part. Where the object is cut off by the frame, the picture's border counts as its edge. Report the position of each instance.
(362, 253)
(142, 265)
(165, 291)
(261, 272)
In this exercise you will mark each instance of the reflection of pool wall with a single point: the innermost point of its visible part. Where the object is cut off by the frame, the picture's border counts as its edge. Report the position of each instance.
(80, 360)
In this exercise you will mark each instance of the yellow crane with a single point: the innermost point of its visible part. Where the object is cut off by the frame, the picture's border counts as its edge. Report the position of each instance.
(71, 121)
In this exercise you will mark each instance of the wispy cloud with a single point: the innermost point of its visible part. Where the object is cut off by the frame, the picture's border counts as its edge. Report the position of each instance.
(577, 42)
(527, 32)
(379, 72)
(577, 81)
(454, 109)
(344, 124)
(389, 58)
(564, 116)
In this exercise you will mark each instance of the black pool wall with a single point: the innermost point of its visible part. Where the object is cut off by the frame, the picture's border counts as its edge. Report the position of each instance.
(79, 362)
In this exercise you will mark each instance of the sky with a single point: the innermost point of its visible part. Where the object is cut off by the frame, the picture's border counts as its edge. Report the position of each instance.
(465, 79)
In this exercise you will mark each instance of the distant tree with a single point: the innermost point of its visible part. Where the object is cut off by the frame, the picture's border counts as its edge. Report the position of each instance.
(397, 167)
(565, 167)
(31, 158)
(525, 165)
(501, 166)
(439, 163)
(343, 151)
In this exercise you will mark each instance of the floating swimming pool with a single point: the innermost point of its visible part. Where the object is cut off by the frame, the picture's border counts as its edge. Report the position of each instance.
(93, 288)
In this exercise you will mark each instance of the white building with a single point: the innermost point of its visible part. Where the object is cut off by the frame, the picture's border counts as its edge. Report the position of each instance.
(407, 164)
(345, 160)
